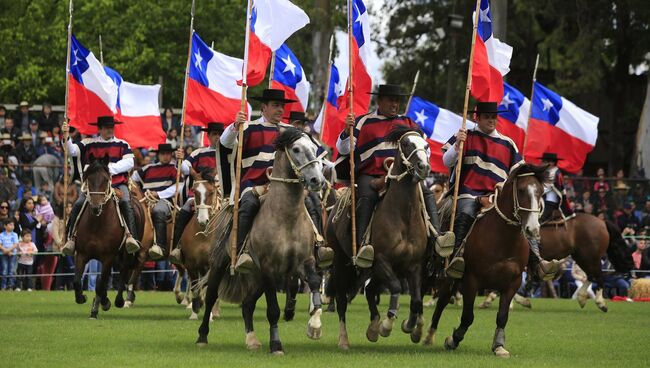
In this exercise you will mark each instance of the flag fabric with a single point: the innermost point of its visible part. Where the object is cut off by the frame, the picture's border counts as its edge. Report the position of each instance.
(290, 77)
(91, 92)
(330, 109)
(512, 123)
(557, 125)
(272, 23)
(213, 91)
(438, 125)
(491, 59)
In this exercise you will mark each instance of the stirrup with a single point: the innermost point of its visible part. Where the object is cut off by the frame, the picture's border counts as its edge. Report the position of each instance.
(68, 248)
(445, 244)
(365, 256)
(456, 268)
(325, 256)
(131, 244)
(244, 264)
(175, 257)
(156, 252)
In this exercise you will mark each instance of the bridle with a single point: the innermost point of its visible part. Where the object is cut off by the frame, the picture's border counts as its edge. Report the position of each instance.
(108, 194)
(215, 203)
(517, 207)
(410, 168)
(297, 170)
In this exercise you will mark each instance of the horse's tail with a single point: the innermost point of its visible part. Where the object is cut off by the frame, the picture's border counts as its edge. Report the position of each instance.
(617, 251)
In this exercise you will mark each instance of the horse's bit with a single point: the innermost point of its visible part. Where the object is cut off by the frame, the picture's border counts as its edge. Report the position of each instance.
(108, 194)
(405, 159)
(517, 207)
(297, 170)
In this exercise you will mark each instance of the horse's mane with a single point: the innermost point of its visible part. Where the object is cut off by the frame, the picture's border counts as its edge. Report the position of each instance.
(538, 171)
(207, 175)
(287, 137)
(398, 131)
(95, 166)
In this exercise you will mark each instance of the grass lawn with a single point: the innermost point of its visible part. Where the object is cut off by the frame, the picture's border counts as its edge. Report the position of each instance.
(47, 329)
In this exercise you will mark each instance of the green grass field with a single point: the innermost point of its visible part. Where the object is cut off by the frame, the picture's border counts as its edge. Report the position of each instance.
(46, 329)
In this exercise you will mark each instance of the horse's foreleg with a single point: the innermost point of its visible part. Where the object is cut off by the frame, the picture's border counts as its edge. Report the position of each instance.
(272, 315)
(177, 285)
(415, 323)
(291, 290)
(386, 276)
(247, 310)
(196, 294)
(119, 298)
(371, 290)
(445, 291)
(79, 264)
(343, 274)
(499, 340)
(314, 325)
(214, 279)
(101, 297)
(467, 318)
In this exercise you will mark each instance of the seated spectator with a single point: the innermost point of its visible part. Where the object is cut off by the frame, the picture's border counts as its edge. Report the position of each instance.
(627, 219)
(35, 134)
(8, 245)
(641, 257)
(620, 194)
(23, 117)
(25, 151)
(3, 116)
(169, 122)
(26, 190)
(27, 248)
(11, 129)
(48, 120)
(172, 138)
(601, 182)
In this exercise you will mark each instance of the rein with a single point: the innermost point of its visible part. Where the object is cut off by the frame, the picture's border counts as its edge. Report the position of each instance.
(517, 207)
(297, 170)
(405, 160)
(108, 194)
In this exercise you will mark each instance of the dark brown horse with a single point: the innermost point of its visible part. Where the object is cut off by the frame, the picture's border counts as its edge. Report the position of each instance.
(496, 253)
(399, 237)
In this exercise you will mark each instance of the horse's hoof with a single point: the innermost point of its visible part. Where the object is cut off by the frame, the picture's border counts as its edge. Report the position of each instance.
(501, 352)
(386, 326)
(93, 315)
(106, 305)
(276, 348)
(119, 302)
(289, 314)
(184, 302)
(372, 333)
(194, 316)
(416, 335)
(602, 307)
(252, 343)
(405, 327)
(314, 333)
(81, 299)
(179, 299)
(344, 346)
(278, 353)
(450, 344)
(431, 338)
(582, 299)
(484, 305)
(202, 341)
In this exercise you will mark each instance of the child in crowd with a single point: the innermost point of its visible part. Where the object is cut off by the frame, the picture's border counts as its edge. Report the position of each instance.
(43, 208)
(26, 260)
(8, 245)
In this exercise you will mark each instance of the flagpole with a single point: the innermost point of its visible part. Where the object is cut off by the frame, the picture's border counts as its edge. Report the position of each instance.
(101, 51)
(353, 207)
(272, 69)
(240, 140)
(324, 116)
(65, 119)
(530, 110)
(415, 84)
(182, 138)
(461, 144)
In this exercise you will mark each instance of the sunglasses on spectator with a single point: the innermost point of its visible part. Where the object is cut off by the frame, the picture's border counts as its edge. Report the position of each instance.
(4, 207)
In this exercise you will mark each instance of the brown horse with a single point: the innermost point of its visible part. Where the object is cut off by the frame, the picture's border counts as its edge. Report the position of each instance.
(399, 236)
(496, 253)
(100, 234)
(281, 240)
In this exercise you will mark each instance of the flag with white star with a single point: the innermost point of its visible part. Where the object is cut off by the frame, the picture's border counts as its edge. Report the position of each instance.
(290, 77)
(512, 123)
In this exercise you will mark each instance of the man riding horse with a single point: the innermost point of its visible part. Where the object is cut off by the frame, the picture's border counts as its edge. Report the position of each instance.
(370, 131)
(554, 193)
(257, 156)
(205, 159)
(158, 181)
(488, 158)
(120, 163)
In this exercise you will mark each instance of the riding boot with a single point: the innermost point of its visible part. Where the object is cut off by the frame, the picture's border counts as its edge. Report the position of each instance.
(549, 207)
(366, 254)
(159, 248)
(248, 207)
(444, 243)
(324, 255)
(456, 267)
(131, 244)
(68, 248)
(544, 269)
(182, 219)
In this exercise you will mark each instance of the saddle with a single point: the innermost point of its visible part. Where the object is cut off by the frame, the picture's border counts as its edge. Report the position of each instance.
(558, 218)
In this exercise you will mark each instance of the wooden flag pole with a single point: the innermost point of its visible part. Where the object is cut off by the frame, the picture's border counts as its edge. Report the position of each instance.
(66, 135)
(101, 50)
(461, 144)
(324, 118)
(240, 140)
(415, 84)
(353, 201)
(530, 110)
(182, 138)
(272, 69)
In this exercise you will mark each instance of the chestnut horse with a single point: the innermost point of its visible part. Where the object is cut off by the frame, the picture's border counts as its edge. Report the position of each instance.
(496, 252)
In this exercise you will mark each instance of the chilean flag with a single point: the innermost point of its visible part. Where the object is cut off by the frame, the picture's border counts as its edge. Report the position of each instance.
(213, 91)
(92, 93)
(139, 111)
(290, 77)
(512, 123)
(557, 125)
(272, 22)
(491, 59)
(438, 125)
(328, 134)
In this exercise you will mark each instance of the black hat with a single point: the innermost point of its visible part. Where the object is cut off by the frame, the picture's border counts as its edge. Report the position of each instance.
(213, 127)
(164, 147)
(270, 94)
(298, 115)
(389, 90)
(105, 121)
(487, 108)
(549, 156)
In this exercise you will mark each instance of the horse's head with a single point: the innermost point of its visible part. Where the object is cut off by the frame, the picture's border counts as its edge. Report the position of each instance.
(301, 152)
(97, 183)
(205, 196)
(526, 183)
(412, 149)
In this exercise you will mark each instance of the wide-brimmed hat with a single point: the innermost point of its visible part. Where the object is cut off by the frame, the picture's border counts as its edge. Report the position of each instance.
(164, 147)
(271, 94)
(621, 186)
(487, 108)
(7, 143)
(25, 137)
(214, 127)
(23, 104)
(550, 156)
(106, 121)
(48, 140)
(389, 90)
(297, 115)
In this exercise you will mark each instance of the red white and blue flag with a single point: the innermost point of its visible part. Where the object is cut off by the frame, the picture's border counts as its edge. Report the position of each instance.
(557, 125)
(290, 77)
(213, 91)
(512, 123)
(91, 92)
(491, 59)
(272, 23)
(330, 109)
(438, 125)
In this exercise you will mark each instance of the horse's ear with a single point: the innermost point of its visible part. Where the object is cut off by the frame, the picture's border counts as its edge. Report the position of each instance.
(106, 160)
(91, 157)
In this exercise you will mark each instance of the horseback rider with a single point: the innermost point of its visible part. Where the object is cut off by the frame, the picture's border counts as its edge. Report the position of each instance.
(257, 156)
(488, 158)
(121, 161)
(554, 192)
(370, 131)
(201, 160)
(157, 180)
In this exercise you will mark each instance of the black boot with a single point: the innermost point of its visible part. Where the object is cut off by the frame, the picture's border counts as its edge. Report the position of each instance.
(132, 245)
(182, 219)
(456, 267)
(249, 205)
(366, 253)
(159, 249)
(443, 243)
(324, 255)
(68, 248)
(549, 207)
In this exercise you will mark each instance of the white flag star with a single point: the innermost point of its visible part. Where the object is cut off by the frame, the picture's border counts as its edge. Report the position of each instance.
(289, 66)
(507, 101)
(76, 58)
(199, 59)
(485, 16)
(547, 104)
(421, 117)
